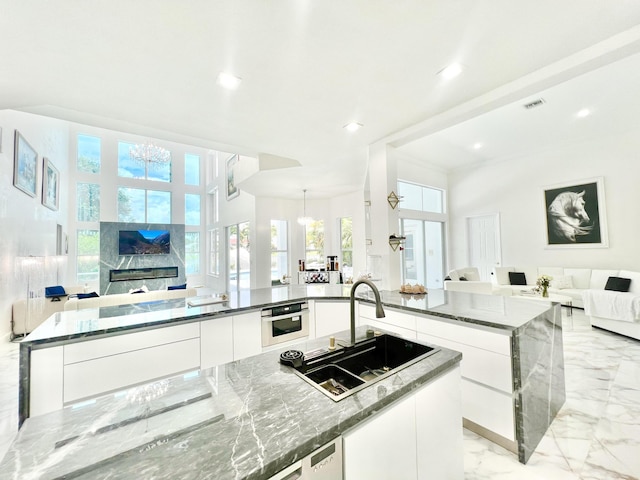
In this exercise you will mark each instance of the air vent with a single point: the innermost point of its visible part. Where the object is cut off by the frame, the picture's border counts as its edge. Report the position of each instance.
(534, 104)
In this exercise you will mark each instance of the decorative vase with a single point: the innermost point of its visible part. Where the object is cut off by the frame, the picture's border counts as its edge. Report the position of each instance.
(545, 291)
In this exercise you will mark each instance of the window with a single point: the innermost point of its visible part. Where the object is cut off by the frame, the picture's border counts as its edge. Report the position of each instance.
(191, 169)
(191, 209)
(239, 256)
(192, 252)
(214, 260)
(346, 246)
(422, 198)
(279, 251)
(88, 202)
(143, 206)
(88, 256)
(88, 158)
(314, 245)
(131, 167)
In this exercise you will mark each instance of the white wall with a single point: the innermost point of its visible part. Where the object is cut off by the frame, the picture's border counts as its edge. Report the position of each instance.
(28, 228)
(514, 189)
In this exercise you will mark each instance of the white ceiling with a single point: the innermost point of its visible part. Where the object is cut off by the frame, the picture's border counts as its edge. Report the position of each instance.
(308, 67)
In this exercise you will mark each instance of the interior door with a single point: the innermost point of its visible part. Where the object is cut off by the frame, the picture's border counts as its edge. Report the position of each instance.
(483, 236)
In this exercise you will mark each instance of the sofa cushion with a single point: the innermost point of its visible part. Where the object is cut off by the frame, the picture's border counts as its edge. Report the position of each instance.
(177, 287)
(81, 296)
(54, 292)
(599, 278)
(618, 284)
(635, 280)
(581, 277)
(502, 275)
(561, 282)
(517, 278)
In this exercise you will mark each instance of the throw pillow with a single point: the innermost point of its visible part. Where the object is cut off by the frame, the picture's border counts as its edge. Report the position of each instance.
(517, 278)
(562, 281)
(618, 284)
(87, 295)
(177, 287)
(462, 279)
(54, 292)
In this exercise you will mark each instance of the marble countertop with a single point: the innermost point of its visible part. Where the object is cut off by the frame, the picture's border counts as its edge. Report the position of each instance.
(247, 419)
(508, 313)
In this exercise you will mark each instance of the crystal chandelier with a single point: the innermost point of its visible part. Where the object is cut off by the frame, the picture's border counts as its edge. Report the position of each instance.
(148, 153)
(304, 220)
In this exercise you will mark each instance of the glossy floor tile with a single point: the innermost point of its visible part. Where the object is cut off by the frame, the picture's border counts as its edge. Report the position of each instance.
(596, 435)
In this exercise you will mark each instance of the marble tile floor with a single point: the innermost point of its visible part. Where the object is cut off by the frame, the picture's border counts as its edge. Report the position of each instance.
(596, 435)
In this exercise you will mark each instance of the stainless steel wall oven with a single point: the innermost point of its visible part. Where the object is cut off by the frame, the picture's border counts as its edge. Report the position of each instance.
(283, 323)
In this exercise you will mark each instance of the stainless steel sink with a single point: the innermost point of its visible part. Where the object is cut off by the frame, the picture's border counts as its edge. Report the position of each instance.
(350, 369)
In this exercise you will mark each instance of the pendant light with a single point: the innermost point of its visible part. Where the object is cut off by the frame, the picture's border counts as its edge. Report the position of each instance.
(304, 220)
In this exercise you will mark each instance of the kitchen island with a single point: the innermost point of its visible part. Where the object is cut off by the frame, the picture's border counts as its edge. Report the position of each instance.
(513, 381)
(247, 419)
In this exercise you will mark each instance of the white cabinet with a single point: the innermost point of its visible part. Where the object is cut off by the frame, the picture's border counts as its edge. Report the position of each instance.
(331, 317)
(46, 381)
(419, 437)
(247, 335)
(216, 342)
(400, 323)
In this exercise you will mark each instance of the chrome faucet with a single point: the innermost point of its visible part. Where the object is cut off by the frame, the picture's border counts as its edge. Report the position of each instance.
(379, 309)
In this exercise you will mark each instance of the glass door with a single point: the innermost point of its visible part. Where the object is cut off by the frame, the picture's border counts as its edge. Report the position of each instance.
(423, 254)
(238, 257)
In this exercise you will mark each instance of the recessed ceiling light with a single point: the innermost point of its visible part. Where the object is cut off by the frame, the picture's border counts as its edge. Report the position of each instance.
(477, 146)
(451, 71)
(353, 126)
(585, 112)
(229, 81)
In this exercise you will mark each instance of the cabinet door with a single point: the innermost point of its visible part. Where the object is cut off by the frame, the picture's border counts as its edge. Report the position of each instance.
(384, 446)
(247, 335)
(216, 342)
(331, 317)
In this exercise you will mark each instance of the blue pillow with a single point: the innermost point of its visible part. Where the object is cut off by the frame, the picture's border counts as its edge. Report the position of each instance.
(56, 291)
(177, 287)
(87, 295)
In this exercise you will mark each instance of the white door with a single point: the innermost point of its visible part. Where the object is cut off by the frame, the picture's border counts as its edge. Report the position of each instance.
(483, 235)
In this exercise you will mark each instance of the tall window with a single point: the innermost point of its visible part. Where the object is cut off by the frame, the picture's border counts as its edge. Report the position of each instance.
(279, 251)
(131, 167)
(314, 244)
(192, 209)
(192, 252)
(143, 206)
(88, 256)
(88, 159)
(88, 202)
(191, 169)
(422, 198)
(239, 255)
(346, 246)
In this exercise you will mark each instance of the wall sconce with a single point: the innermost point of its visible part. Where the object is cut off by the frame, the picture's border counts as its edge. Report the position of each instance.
(393, 199)
(396, 241)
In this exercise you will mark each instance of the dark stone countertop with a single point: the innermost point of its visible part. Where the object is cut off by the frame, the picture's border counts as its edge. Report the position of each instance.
(247, 419)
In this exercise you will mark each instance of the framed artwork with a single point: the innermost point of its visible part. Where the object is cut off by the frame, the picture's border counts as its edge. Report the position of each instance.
(50, 185)
(25, 166)
(232, 189)
(576, 215)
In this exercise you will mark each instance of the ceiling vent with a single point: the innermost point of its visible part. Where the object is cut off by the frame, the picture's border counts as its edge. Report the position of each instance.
(534, 104)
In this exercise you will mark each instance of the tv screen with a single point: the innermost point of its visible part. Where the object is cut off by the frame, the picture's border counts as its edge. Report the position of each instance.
(144, 242)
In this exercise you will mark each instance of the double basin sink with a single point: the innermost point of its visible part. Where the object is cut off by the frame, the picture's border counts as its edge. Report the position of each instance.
(349, 369)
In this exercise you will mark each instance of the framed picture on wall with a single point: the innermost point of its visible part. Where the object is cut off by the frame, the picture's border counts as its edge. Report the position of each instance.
(575, 214)
(25, 166)
(232, 189)
(50, 185)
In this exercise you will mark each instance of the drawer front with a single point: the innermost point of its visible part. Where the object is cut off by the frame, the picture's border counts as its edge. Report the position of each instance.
(102, 375)
(92, 349)
(402, 332)
(480, 337)
(392, 317)
(489, 368)
(488, 408)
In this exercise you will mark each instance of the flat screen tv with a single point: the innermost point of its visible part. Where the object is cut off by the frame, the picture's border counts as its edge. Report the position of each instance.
(144, 242)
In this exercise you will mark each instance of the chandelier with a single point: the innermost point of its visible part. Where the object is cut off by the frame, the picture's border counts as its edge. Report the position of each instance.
(148, 153)
(304, 220)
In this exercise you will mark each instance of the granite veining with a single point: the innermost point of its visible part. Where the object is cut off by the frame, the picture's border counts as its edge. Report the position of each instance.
(247, 419)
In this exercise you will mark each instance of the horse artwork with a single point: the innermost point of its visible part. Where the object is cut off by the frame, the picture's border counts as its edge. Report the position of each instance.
(574, 215)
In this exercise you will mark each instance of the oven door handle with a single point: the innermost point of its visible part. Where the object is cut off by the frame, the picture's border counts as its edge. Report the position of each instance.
(287, 315)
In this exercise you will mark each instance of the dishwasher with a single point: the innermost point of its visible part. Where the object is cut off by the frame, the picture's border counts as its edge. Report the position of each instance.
(325, 463)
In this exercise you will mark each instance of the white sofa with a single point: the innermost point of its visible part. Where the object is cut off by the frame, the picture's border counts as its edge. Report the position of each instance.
(26, 316)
